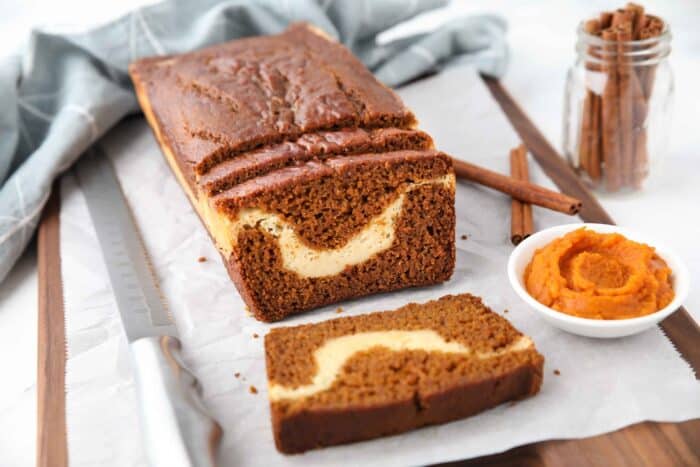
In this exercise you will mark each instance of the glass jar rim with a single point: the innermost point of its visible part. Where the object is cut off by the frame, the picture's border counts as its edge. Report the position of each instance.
(592, 39)
(642, 52)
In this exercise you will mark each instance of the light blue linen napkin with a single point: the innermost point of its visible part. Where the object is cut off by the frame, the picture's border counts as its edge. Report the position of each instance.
(66, 90)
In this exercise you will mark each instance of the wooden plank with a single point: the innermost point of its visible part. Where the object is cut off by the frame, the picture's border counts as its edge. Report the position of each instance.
(645, 444)
(51, 441)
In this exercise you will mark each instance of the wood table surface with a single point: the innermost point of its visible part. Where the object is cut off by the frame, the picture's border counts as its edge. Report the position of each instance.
(51, 441)
(643, 444)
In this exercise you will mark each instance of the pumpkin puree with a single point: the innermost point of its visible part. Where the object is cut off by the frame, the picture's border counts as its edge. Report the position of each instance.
(599, 276)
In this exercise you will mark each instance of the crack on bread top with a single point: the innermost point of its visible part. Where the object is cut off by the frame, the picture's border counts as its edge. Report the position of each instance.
(249, 93)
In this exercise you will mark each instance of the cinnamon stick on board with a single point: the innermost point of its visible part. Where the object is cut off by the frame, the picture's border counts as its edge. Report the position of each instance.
(521, 225)
(519, 189)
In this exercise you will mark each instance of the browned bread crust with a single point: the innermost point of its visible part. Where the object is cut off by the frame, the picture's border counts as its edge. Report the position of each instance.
(220, 101)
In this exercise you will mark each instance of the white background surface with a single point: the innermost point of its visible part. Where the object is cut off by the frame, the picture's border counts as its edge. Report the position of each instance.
(542, 40)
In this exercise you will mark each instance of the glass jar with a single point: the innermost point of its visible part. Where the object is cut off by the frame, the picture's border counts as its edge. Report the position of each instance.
(617, 109)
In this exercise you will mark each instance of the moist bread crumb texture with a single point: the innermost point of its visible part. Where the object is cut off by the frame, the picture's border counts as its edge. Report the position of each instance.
(451, 358)
(309, 174)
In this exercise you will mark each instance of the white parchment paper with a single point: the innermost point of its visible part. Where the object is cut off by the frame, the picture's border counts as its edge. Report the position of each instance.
(603, 385)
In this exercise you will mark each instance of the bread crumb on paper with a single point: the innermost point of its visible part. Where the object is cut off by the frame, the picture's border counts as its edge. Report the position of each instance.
(253, 389)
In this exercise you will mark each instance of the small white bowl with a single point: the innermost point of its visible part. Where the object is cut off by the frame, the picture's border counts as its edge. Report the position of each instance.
(522, 254)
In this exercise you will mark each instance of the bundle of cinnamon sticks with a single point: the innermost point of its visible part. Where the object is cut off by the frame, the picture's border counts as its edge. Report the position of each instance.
(613, 139)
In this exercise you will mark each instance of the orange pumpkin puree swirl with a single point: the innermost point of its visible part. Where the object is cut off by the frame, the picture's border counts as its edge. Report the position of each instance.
(599, 276)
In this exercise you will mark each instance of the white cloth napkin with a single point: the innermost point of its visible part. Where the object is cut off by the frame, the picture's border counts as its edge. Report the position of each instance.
(603, 385)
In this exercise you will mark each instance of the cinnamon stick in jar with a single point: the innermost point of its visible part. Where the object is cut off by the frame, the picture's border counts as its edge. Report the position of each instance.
(595, 152)
(610, 115)
(618, 121)
(653, 27)
(521, 224)
(589, 142)
(622, 22)
(648, 27)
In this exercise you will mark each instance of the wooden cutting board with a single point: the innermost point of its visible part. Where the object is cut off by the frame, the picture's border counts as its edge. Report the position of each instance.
(647, 443)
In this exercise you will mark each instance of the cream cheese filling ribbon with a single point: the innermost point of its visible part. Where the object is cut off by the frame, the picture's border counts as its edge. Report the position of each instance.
(334, 353)
(308, 262)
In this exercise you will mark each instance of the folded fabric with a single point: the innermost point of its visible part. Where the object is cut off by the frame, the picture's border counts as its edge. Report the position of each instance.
(67, 90)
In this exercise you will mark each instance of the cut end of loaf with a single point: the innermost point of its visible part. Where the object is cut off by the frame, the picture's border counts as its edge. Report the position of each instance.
(575, 207)
(342, 242)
